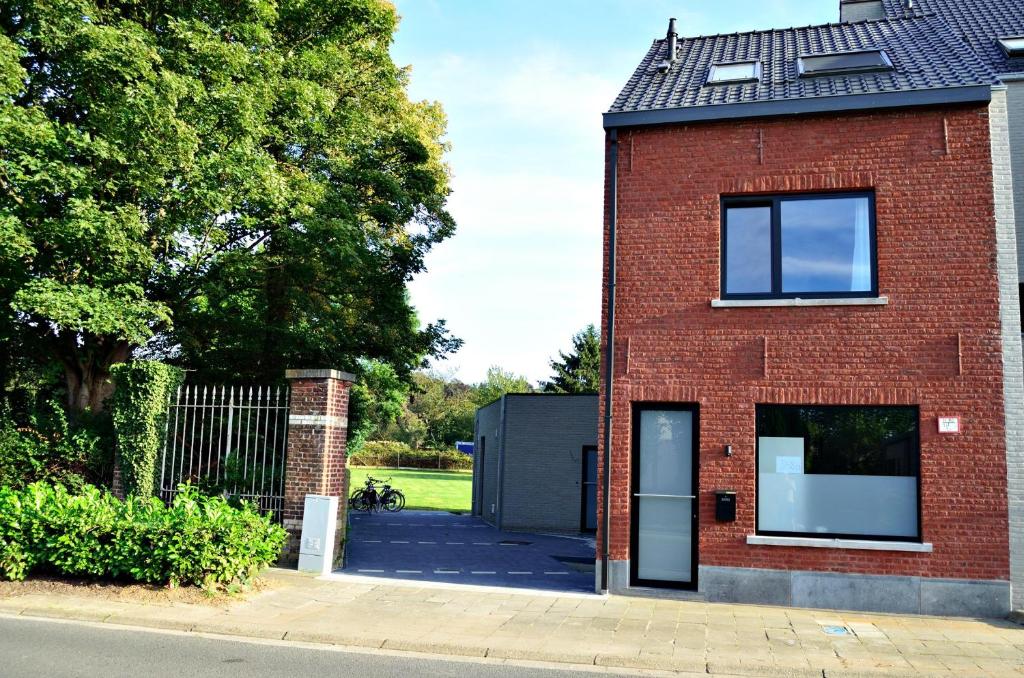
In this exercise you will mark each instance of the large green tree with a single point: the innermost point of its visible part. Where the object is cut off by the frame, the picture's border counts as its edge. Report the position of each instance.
(579, 371)
(498, 383)
(439, 411)
(240, 185)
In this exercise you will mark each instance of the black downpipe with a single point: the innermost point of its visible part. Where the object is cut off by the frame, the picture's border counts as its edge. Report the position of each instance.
(609, 360)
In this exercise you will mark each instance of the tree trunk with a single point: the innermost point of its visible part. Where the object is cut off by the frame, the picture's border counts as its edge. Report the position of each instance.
(87, 372)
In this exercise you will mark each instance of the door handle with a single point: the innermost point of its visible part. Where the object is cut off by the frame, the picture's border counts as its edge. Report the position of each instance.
(665, 496)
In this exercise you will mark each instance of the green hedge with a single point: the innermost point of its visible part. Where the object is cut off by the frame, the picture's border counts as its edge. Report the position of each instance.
(197, 540)
(391, 453)
(139, 410)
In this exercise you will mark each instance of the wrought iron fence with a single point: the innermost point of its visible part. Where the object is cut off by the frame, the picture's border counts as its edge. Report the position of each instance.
(227, 440)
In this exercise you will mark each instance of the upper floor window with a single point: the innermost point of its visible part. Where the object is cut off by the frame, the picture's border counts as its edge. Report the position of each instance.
(842, 63)
(799, 246)
(737, 72)
(1014, 47)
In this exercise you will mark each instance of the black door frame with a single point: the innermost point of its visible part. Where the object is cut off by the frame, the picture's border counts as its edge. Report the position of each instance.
(583, 490)
(478, 463)
(634, 501)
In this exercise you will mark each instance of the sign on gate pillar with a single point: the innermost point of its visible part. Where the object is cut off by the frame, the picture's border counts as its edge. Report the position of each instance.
(317, 435)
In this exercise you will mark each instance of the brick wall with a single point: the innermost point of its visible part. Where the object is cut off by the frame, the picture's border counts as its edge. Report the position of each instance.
(936, 263)
(317, 437)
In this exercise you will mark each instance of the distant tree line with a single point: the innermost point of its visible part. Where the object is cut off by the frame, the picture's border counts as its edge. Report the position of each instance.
(435, 410)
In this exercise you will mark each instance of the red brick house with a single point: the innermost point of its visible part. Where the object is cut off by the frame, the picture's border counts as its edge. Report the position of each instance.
(811, 289)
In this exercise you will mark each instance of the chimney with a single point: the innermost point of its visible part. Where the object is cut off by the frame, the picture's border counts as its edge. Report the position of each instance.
(671, 38)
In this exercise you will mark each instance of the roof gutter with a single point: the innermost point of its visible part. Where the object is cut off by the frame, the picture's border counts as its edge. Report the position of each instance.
(609, 359)
(834, 104)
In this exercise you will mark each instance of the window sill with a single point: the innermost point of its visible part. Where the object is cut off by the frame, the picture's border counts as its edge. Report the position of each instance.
(853, 544)
(759, 303)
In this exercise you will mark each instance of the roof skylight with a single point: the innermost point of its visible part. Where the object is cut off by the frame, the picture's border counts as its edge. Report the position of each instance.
(842, 63)
(1013, 47)
(740, 71)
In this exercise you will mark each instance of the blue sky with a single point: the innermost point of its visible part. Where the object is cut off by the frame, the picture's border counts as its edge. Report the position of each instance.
(524, 83)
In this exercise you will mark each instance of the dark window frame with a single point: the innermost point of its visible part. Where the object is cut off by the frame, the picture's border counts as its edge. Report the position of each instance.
(637, 408)
(916, 539)
(587, 449)
(775, 203)
(803, 72)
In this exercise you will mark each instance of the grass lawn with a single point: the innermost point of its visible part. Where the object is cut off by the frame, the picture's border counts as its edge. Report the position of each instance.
(423, 488)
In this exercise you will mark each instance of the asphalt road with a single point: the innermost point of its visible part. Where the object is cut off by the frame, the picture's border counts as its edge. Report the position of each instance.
(458, 549)
(31, 648)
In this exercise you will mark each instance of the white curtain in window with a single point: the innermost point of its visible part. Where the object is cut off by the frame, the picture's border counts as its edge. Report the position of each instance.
(861, 271)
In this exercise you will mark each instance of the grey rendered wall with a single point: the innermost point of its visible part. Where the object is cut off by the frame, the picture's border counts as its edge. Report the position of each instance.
(1007, 264)
(485, 475)
(544, 440)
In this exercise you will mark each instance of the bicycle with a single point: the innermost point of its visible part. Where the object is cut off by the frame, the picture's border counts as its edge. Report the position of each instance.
(367, 498)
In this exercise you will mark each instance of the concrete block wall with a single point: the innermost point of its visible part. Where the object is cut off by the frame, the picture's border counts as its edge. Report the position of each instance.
(1015, 119)
(1008, 242)
(544, 439)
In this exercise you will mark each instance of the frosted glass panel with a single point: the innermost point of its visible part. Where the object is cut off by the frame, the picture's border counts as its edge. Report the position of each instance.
(665, 539)
(838, 470)
(666, 462)
(884, 506)
(664, 521)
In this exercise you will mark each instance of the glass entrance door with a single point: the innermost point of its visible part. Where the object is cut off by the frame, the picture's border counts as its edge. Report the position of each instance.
(664, 516)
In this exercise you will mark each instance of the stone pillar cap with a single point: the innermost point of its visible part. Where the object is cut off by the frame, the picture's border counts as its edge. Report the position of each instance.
(320, 374)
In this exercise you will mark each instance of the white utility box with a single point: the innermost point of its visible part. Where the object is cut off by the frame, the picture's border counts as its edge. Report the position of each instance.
(319, 523)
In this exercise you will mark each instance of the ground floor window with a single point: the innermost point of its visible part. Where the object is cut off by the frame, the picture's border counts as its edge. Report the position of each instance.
(832, 471)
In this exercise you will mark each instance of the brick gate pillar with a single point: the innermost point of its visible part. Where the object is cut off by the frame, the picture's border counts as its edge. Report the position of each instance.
(315, 462)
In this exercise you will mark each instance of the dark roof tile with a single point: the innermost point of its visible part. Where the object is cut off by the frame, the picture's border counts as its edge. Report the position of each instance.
(979, 22)
(927, 56)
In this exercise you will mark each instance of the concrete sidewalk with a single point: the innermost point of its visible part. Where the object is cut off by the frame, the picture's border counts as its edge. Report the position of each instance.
(626, 633)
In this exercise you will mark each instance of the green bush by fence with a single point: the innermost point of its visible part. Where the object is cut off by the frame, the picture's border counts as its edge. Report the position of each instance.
(197, 540)
(139, 409)
(390, 453)
(48, 447)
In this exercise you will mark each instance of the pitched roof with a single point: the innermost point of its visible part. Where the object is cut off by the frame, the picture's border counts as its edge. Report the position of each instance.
(932, 65)
(980, 22)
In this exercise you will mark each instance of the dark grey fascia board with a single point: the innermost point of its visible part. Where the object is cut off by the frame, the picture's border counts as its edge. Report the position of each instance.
(767, 109)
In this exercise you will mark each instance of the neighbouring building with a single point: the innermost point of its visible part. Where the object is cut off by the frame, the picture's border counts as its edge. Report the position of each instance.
(811, 284)
(535, 462)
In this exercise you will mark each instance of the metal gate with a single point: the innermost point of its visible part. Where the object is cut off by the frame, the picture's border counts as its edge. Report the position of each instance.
(228, 440)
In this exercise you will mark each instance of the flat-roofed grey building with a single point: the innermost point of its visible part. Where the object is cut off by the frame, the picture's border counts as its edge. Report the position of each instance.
(535, 467)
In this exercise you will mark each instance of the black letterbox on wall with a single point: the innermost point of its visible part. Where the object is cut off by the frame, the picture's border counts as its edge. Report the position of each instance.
(725, 505)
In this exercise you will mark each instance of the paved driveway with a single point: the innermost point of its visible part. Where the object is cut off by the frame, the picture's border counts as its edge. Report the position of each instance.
(440, 546)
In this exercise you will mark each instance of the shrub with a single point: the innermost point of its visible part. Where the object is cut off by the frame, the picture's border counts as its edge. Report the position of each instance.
(139, 411)
(197, 540)
(391, 453)
(49, 448)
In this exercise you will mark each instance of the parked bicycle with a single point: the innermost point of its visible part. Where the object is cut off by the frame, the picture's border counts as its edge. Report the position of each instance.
(368, 498)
